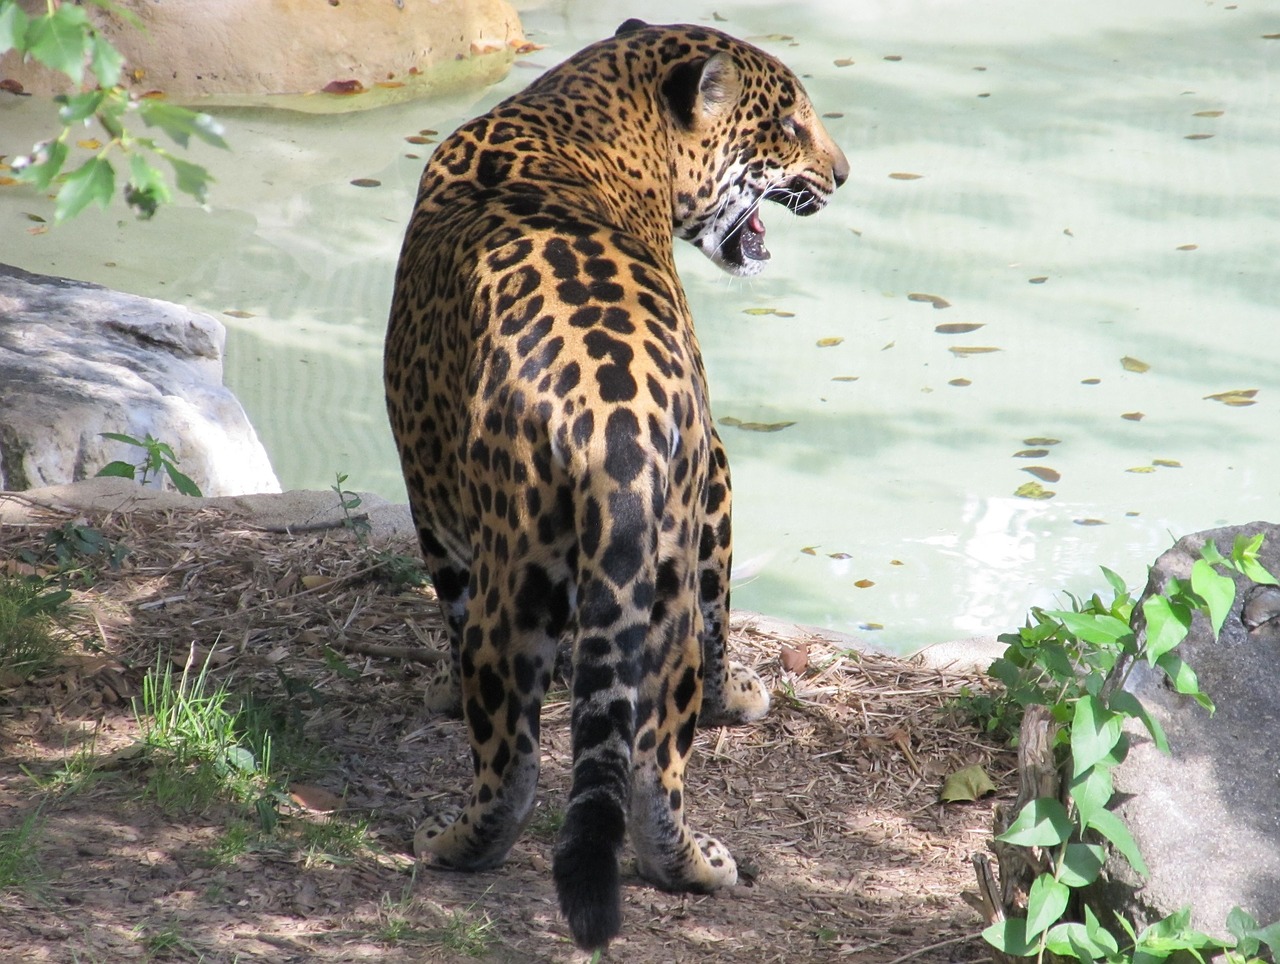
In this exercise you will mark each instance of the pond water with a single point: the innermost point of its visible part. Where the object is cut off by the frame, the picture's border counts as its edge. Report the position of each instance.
(1059, 242)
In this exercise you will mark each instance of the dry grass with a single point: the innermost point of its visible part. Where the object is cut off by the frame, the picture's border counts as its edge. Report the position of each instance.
(830, 805)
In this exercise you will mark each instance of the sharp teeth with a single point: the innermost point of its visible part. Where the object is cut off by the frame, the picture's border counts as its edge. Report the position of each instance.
(755, 224)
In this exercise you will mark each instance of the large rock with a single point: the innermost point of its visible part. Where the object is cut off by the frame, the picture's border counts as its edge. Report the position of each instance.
(78, 359)
(1207, 817)
(237, 51)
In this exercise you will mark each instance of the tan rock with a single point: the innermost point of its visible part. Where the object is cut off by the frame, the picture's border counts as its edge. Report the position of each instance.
(286, 52)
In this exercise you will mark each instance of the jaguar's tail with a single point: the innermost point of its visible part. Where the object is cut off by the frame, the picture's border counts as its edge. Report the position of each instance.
(586, 868)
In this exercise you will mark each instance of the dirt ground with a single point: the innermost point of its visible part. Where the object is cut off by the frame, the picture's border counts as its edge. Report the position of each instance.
(830, 805)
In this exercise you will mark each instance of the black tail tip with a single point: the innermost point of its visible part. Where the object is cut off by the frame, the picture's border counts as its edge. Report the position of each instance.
(587, 879)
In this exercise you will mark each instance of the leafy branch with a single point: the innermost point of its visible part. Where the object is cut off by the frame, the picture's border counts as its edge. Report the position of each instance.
(64, 39)
(1070, 666)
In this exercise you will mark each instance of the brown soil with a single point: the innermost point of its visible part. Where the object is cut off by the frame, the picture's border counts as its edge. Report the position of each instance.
(830, 805)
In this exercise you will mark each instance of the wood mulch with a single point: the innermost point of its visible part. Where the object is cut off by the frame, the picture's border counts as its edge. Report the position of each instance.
(830, 805)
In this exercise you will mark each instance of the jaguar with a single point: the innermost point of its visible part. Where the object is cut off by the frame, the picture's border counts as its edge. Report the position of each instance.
(549, 404)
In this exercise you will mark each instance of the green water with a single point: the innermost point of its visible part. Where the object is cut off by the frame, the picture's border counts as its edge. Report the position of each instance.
(1067, 203)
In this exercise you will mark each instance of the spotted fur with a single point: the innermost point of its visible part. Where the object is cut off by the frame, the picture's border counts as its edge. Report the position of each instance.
(549, 403)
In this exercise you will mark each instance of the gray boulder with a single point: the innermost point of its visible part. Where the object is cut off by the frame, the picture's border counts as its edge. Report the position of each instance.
(78, 359)
(1207, 817)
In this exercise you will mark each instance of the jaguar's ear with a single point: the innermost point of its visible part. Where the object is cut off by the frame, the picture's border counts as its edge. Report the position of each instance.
(701, 91)
(630, 26)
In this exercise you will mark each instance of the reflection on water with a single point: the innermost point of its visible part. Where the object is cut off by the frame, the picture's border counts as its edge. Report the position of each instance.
(1092, 183)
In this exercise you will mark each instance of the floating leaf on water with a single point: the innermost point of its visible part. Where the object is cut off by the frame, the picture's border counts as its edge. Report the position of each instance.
(839, 555)
(1031, 454)
(829, 342)
(1197, 137)
(842, 62)
(896, 562)
(1271, 36)
(1141, 469)
(963, 351)
(958, 327)
(1133, 416)
(1044, 473)
(429, 132)
(833, 114)
(966, 785)
(237, 313)
(1134, 365)
(343, 87)
(772, 37)
(776, 312)
(528, 46)
(864, 583)
(1236, 398)
(810, 550)
(871, 627)
(389, 84)
(1033, 490)
(929, 299)
(366, 182)
(903, 176)
(1089, 522)
(1167, 463)
(1208, 113)
(1041, 440)
(1091, 381)
(960, 382)
(845, 378)
(1132, 514)
(418, 139)
(755, 426)
(894, 57)
(1068, 232)
(1038, 279)
(1187, 247)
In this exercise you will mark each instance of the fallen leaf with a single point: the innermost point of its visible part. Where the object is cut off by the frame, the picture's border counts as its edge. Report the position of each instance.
(894, 57)
(844, 62)
(864, 583)
(929, 299)
(1038, 280)
(343, 88)
(237, 313)
(313, 798)
(810, 550)
(1044, 473)
(1208, 113)
(839, 555)
(845, 378)
(833, 114)
(1091, 381)
(963, 351)
(1041, 440)
(1237, 397)
(419, 139)
(313, 581)
(11, 86)
(970, 783)
(1134, 365)
(1133, 416)
(960, 382)
(389, 84)
(1197, 137)
(1088, 522)
(1141, 469)
(777, 312)
(366, 182)
(900, 176)
(1033, 490)
(829, 342)
(1031, 454)
(794, 659)
(1187, 247)
(526, 46)
(958, 327)
(1167, 463)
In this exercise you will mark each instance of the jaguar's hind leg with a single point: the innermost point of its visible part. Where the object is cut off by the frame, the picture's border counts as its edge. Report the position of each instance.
(505, 666)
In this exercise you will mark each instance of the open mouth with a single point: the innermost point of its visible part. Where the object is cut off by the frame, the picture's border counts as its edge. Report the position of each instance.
(748, 238)
(746, 242)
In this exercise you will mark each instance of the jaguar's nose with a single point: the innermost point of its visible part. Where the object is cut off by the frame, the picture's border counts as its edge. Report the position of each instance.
(839, 167)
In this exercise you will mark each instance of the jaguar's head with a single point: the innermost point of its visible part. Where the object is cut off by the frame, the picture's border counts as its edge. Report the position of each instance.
(743, 132)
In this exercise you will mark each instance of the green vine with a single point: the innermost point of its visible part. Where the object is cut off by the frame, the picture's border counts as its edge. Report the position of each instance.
(1075, 662)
